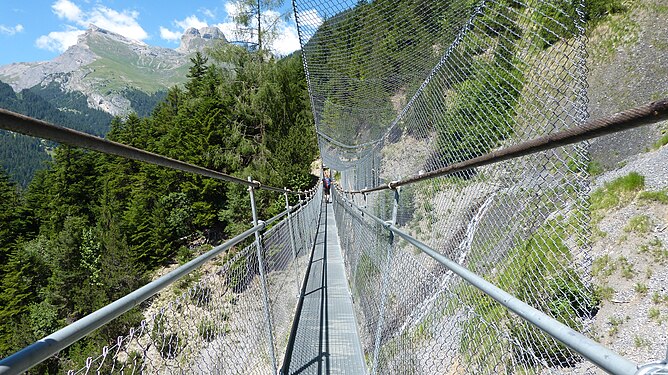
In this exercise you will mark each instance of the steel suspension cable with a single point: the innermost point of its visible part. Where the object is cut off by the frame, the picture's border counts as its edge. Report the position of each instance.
(18, 123)
(632, 118)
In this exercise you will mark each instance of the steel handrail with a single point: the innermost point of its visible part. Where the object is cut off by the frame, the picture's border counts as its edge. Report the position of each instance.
(598, 354)
(43, 349)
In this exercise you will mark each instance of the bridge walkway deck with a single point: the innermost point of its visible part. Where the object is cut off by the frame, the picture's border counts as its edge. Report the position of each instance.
(327, 341)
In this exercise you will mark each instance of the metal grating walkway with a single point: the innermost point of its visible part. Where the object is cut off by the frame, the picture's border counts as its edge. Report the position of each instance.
(326, 341)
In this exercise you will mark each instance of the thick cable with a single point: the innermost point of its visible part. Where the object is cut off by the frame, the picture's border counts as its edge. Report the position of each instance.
(644, 115)
(18, 123)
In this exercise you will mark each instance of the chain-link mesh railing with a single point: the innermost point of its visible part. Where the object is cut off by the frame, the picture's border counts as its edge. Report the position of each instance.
(212, 321)
(401, 88)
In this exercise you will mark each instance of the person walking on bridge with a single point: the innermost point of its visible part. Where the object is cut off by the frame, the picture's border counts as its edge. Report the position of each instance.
(326, 185)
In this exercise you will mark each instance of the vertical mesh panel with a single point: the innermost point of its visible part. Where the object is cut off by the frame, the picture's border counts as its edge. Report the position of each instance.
(401, 88)
(212, 320)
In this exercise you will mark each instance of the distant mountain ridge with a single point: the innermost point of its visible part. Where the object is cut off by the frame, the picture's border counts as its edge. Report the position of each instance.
(104, 65)
(103, 75)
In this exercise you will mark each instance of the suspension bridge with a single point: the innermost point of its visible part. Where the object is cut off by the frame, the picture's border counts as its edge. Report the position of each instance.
(456, 240)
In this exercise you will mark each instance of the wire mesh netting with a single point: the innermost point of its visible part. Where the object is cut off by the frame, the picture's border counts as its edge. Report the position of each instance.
(212, 320)
(400, 88)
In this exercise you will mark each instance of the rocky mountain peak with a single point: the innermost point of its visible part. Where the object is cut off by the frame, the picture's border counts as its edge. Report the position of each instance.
(103, 65)
(196, 39)
(95, 32)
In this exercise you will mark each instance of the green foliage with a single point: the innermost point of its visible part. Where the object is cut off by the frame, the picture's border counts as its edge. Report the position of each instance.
(209, 330)
(169, 344)
(557, 19)
(626, 268)
(538, 272)
(90, 228)
(654, 314)
(605, 292)
(597, 10)
(662, 141)
(660, 196)
(482, 115)
(21, 155)
(480, 110)
(143, 103)
(639, 224)
(618, 192)
(594, 168)
(655, 249)
(641, 288)
(603, 266)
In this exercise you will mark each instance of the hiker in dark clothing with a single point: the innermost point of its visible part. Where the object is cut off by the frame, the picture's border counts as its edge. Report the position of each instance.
(326, 185)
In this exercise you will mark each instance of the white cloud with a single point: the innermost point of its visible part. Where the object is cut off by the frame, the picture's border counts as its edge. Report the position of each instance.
(310, 18)
(232, 8)
(58, 41)
(287, 41)
(67, 10)
(191, 21)
(167, 34)
(208, 13)
(124, 23)
(228, 28)
(8, 30)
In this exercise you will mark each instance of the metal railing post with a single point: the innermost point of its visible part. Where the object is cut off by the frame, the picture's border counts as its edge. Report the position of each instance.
(263, 280)
(384, 286)
(292, 235)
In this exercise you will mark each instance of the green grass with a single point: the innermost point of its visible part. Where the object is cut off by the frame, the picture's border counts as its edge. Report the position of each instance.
(603, 266)
(662, 141)
(595, 168)
(613, 32)
(605, 292)
(660, 196)
(615, 323)
(120, 67)
(641, 288)
(209, 330)
(537, 272)
(626, 268)
(655, 249)
(639, 224)
(658, 298)
(617, 192)
(654, 314)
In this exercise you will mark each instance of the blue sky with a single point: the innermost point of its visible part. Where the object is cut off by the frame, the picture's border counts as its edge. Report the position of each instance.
(33, 30)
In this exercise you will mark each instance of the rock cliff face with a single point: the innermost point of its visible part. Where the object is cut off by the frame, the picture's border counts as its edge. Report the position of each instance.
(195, 40)
(103, 65)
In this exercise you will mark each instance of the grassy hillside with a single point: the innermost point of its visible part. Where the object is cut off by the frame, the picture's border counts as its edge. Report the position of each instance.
(120, 67)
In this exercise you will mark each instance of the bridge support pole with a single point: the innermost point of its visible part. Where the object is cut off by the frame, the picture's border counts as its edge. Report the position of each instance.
(384, 286)
(292, 236)
(263, 281)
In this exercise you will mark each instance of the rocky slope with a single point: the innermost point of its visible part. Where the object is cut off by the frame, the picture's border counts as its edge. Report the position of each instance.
(630, 254)
(102, 65)
(628, 60)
